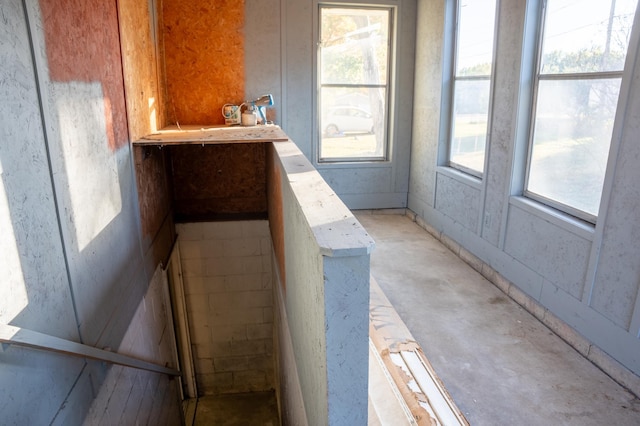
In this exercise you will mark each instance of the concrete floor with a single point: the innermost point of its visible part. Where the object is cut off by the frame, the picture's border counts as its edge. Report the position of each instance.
(261, 409)
(499, 363)
(257, 408)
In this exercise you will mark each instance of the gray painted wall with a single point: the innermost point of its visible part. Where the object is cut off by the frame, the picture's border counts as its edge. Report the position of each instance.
(588, 276)
(34, 291)
(71, 256)
(325, 298)
(280, 59)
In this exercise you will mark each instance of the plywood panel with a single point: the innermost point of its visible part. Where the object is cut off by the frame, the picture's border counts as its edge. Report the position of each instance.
(143, 77)
(218, 181)
(153, 192)
(197, 135)
(144, 89)
(83, 45)
(204, 58)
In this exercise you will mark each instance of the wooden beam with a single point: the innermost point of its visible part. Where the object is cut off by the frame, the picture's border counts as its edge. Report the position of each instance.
(198, 135)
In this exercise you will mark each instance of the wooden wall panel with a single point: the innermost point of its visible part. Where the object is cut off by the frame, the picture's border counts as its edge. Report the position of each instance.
(204, 58)
(83, 45)
(143, 79)
(153, 189)
(145, 94)
(219, 181)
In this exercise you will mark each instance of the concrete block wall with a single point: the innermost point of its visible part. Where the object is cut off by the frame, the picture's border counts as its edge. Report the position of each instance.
(128, 395)
(228, 289)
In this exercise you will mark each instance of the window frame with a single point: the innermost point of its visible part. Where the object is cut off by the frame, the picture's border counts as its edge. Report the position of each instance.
(389, 86)
(573, 76)
(454, 78)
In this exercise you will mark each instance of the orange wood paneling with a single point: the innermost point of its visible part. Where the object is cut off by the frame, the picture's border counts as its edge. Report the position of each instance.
(146, 113)
(83, 44)
(143, 77)
(153, 189)
(204, 58)
(214, 182)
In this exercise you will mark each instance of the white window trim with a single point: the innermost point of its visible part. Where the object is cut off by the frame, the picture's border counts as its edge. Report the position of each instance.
(355, 162)
(536, 76)
(455, 12)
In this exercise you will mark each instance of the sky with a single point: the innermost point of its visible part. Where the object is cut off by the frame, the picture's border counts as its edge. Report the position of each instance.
(570, 25)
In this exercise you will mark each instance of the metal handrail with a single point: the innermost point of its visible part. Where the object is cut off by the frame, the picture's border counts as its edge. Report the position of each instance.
(32, 339)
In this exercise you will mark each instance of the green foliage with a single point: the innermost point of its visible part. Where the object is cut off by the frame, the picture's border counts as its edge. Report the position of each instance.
(348, 55)
(476, 70)
(334, 27)
(585, 60)
(340, 68)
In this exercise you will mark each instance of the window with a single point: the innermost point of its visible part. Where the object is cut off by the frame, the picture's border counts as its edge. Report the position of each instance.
(472, 84)
(583, 48)
(353, 76)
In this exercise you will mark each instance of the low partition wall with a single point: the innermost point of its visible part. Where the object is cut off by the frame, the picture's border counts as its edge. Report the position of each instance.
(322, 261)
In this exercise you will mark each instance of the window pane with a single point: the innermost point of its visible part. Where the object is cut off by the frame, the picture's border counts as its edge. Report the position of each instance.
(352, 123)
(354, 46)
(470, 114)
(475, 37)
(572, 134)
(474, 58)
(586, 35)
(354, 57)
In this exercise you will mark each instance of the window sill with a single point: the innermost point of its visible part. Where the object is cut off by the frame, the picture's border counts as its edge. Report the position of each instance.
(565, 221)
(461, 177)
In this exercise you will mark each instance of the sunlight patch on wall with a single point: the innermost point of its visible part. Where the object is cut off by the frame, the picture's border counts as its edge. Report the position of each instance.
(13, 294)
(91, 166)
(90, 53)
(152, 115)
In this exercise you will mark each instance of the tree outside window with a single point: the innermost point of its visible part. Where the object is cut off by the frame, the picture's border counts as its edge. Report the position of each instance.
(354, 82)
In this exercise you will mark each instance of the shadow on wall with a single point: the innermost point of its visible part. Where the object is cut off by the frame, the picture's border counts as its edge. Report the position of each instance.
(70, 232)
(91, 179)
